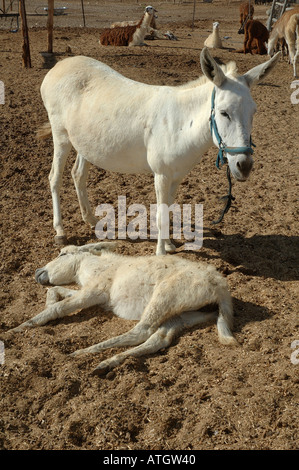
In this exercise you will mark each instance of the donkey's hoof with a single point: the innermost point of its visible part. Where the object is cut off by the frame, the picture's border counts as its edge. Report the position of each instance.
(170, 248)
(60, 240)
(102, 369)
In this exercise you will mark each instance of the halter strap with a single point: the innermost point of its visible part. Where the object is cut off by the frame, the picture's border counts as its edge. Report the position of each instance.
(221, 159)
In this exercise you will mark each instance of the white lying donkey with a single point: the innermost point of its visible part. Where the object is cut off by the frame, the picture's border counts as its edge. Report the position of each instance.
(163, 292)
(121, 125)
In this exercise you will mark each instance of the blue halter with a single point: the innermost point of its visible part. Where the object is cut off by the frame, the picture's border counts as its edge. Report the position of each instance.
(221, 159)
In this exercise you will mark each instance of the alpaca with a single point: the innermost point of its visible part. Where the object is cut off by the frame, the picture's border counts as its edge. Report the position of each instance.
(282, 45)
(256, 35)
(122, 24)
(214, 40)
(297, 52)
(128, 35)
(287, 27)
(245, 15)
(164, 294)
(152, 32)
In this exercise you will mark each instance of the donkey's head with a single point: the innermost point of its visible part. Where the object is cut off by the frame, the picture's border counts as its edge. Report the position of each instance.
(63, 269)
(232, 110)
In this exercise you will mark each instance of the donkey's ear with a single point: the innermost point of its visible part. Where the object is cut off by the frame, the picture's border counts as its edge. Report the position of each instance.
(210, 68)
(96, 248)
(259, 72)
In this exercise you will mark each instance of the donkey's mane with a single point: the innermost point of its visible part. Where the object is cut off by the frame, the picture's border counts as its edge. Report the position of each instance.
(229, 69)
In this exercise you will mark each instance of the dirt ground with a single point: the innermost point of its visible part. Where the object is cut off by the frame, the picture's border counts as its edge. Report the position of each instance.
(197, 394)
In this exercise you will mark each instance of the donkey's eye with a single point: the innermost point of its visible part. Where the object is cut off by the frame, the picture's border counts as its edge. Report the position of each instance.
(224, 113)
(62, 254)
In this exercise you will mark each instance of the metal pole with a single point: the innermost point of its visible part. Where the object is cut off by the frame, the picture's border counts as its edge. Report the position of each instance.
(269, 22)
(284, 7)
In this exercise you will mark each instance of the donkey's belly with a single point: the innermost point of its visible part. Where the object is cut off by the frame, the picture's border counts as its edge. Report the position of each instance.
(128, 306)
(117, 152)
(130, 293)
(126, 161)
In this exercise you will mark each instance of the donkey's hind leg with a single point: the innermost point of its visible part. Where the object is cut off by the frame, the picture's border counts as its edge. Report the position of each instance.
(162, 338)
(80, 174)
(166, 303)
(62, 147)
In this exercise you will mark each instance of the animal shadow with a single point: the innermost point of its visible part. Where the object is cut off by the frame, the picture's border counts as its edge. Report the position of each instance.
(269, 256)
(248, 312)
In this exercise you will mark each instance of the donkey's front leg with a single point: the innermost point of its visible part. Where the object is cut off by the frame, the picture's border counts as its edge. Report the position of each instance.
(82, 299)
(58, 293)
(163, 189)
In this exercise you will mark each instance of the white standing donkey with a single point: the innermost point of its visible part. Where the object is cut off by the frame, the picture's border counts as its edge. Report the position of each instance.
(125, 126)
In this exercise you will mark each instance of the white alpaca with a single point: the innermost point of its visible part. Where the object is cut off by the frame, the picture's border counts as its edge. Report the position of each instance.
(287, 27)
(164, 293)
(214, 40)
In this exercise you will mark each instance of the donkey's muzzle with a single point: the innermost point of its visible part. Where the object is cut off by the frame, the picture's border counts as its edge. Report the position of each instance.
(41, 276)
(244, 166)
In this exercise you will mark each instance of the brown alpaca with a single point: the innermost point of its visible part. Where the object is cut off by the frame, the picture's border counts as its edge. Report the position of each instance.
(131, 35)
(245, 15)
(256, 35)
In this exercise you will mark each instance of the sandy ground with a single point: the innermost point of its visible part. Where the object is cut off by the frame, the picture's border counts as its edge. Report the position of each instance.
(196, 394)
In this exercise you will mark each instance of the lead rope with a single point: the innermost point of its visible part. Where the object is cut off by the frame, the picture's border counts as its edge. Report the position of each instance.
(229, 197)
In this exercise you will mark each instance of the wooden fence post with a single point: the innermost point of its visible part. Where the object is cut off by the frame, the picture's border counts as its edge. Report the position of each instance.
(26, 48)
(50, 25)
(193, 18)
(83, 13)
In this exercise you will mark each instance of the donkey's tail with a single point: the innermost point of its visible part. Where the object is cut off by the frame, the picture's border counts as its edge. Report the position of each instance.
(44, 132)
(225, 321)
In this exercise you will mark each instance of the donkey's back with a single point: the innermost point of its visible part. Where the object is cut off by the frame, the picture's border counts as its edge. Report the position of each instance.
(76, 72)
(102, 114)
